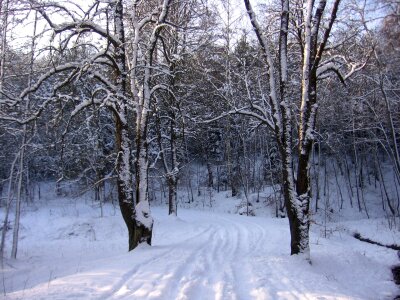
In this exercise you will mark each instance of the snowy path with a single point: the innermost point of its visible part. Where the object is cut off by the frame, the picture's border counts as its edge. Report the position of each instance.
(212, 264)
(202, 256)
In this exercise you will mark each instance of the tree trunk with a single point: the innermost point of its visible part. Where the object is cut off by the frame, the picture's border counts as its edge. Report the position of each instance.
(173, 178)
(8, 207)
(18, 202)
(143, 219)
(172, 195)
(124, 180)
(210, 175)
(136, 216)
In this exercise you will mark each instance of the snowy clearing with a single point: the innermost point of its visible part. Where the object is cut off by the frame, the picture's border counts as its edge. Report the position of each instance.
(68, 252)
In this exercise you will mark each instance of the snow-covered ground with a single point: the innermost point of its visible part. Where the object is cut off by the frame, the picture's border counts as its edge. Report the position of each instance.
(67, 251)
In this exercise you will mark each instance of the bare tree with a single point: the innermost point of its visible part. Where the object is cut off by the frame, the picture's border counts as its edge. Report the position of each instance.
(313, 32)
(119, 65)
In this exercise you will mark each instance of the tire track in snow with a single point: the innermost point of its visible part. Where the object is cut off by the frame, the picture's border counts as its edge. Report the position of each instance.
(238, 263)
(204, 277)
(136, 270)
(182, 268)
(216, 260)
(260, 284)
(193, 273)
(213, 264)
(225, 288)
(225, 258)
(250, 244)
(131, 273)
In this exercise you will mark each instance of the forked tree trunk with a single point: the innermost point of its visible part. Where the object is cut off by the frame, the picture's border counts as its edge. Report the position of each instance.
(132, 214)
(143, 219)
(297, 205)
(297, 194)
(124, 180)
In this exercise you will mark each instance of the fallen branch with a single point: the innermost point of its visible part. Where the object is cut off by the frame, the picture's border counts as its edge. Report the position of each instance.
(359, 237)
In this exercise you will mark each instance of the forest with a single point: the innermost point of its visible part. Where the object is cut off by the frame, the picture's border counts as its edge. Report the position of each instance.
(284, 112)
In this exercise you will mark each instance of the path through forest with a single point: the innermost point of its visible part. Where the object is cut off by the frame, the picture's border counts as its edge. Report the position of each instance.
(199, 255)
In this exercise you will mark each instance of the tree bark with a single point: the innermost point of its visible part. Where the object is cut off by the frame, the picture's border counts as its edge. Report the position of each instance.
(138, 233)
(124, 180)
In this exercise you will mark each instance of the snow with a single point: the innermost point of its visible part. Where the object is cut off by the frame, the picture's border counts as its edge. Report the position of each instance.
(143, 215)
(67, 251)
